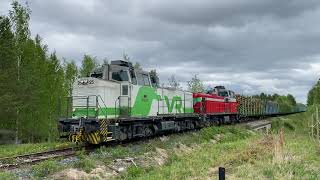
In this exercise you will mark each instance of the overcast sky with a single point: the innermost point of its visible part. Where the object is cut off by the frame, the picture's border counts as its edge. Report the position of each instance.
(251, 46)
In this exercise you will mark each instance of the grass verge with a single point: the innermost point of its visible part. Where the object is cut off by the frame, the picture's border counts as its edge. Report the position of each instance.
(20, 149)
(197, 155)
(287, 153)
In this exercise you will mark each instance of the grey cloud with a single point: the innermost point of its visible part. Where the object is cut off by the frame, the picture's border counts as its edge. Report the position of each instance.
(227, 12)
(249, 45)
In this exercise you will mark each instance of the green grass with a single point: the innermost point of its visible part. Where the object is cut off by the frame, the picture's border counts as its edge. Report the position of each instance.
(134, 172)
(20, 149)
(245, 155)
(200, 161)
(8, 176)
(301, 161)
(106, 155)
(293, 123)
(198, 154)
(46, 168)
(85, 163)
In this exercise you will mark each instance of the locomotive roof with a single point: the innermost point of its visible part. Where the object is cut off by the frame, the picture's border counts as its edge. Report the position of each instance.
(204, 95)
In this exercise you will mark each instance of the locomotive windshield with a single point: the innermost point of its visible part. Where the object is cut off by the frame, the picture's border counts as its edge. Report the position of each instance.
(120, 76)
(143, 79)
(223, 93)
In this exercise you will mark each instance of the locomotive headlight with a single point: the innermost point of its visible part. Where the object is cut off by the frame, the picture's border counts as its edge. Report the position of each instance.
(74, 109)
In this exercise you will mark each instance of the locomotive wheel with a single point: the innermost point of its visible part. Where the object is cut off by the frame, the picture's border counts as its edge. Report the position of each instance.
(190, 125)
(123, 133)
(148, 131)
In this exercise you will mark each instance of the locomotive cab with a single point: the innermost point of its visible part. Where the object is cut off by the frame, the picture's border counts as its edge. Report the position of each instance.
(223, 92)
(116, 71)
(123, 71)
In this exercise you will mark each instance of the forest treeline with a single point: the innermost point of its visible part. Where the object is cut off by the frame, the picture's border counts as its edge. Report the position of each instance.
(287, 103)
(32, 79)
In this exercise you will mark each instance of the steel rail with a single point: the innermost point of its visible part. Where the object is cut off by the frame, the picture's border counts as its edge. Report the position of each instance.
(17, 161)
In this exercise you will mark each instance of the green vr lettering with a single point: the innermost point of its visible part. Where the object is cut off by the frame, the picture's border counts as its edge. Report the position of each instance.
(176, 100)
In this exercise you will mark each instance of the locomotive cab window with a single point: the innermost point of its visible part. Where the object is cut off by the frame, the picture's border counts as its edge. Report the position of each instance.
(232, 95)
(223, 93)
(140, 79)
(146, 79)
(125, 90)
(120, 75)
(97, 75)
(154, 80)
(133, 77)
(143, 79)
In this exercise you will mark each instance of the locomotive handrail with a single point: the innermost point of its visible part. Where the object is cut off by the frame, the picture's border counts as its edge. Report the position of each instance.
(97, 105)
(104, 106)
(115, 105)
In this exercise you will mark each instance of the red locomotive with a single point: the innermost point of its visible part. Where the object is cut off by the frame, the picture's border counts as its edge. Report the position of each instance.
(215, 101)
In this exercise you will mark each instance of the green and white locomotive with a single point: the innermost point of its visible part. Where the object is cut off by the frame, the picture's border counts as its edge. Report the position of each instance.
(120, 102)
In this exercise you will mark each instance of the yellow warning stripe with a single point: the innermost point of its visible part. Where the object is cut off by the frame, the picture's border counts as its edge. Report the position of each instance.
(93, 138)
(104, 130)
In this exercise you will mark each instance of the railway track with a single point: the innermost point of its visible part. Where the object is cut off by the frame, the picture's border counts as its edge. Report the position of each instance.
(17, 161)
(27, 159)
